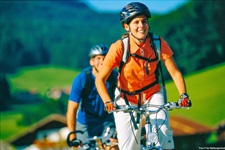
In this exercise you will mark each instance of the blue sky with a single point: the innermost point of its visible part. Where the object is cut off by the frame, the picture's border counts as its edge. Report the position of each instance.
(155, 6)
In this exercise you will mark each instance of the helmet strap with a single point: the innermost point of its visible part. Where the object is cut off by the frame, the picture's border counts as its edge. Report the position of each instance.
(95, 69)
(140, 40)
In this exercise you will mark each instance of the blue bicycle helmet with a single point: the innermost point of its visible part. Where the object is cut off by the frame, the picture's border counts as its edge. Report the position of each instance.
(132, 10)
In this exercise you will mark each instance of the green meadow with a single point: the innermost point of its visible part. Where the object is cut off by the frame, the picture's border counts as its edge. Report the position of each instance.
(40, 79)
(205, 87)
(206, 90)
(37, 80)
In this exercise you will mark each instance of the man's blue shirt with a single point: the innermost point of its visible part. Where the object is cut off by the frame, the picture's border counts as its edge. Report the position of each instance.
(93, 111)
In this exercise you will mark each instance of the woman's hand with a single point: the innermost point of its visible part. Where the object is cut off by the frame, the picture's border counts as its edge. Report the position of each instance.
(109, 106)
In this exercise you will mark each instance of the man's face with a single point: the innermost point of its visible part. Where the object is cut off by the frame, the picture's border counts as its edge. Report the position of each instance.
(97, 62)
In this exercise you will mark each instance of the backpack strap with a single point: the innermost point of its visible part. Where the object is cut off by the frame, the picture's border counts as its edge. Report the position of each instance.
(87, 90)
(157, 45)
(88, 87)
(126, 52)
(90, 83)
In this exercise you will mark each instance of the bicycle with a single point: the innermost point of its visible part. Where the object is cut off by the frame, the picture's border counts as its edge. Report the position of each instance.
(94, 143)
(152, 134)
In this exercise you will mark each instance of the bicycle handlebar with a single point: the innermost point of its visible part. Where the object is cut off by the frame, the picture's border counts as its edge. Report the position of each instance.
(75, 142)
(103, 139)
(146, 108)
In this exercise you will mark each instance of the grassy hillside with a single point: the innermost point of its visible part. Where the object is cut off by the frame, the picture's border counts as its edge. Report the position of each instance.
(37, 79)
(9, 126)
(206, 90)
(40, 79)
(204, 87)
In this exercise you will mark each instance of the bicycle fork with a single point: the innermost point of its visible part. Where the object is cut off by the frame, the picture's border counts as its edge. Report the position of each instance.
(151, 134)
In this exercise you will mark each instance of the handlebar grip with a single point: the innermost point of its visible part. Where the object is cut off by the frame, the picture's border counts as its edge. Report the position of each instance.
(189, 103)
(176, 103)
(75, 142)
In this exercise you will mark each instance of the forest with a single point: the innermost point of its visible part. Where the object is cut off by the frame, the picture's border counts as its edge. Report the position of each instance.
(62, 32)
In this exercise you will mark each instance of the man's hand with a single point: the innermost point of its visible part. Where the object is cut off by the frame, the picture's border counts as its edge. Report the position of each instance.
(72, 141)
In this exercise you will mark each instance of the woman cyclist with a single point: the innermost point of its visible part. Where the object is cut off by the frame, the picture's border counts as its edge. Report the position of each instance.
(137, 82)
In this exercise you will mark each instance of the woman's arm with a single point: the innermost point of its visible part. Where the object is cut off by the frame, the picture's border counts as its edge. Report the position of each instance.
(100, 83)
(176, 75)
(111, 61)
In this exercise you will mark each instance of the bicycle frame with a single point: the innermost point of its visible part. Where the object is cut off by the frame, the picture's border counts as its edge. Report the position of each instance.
(152, 129)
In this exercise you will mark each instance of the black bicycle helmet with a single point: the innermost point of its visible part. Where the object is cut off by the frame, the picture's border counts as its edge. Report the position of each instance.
(99, 49)
(132, 10)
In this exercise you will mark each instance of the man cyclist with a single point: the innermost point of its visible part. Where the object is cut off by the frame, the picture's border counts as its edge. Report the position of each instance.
(86, 111)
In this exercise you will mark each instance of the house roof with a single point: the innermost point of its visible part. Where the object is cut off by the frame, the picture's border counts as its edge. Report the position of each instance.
(182, 126)
(50, 122)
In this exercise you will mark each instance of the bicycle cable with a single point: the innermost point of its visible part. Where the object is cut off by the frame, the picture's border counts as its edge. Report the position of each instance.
(132, 128)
